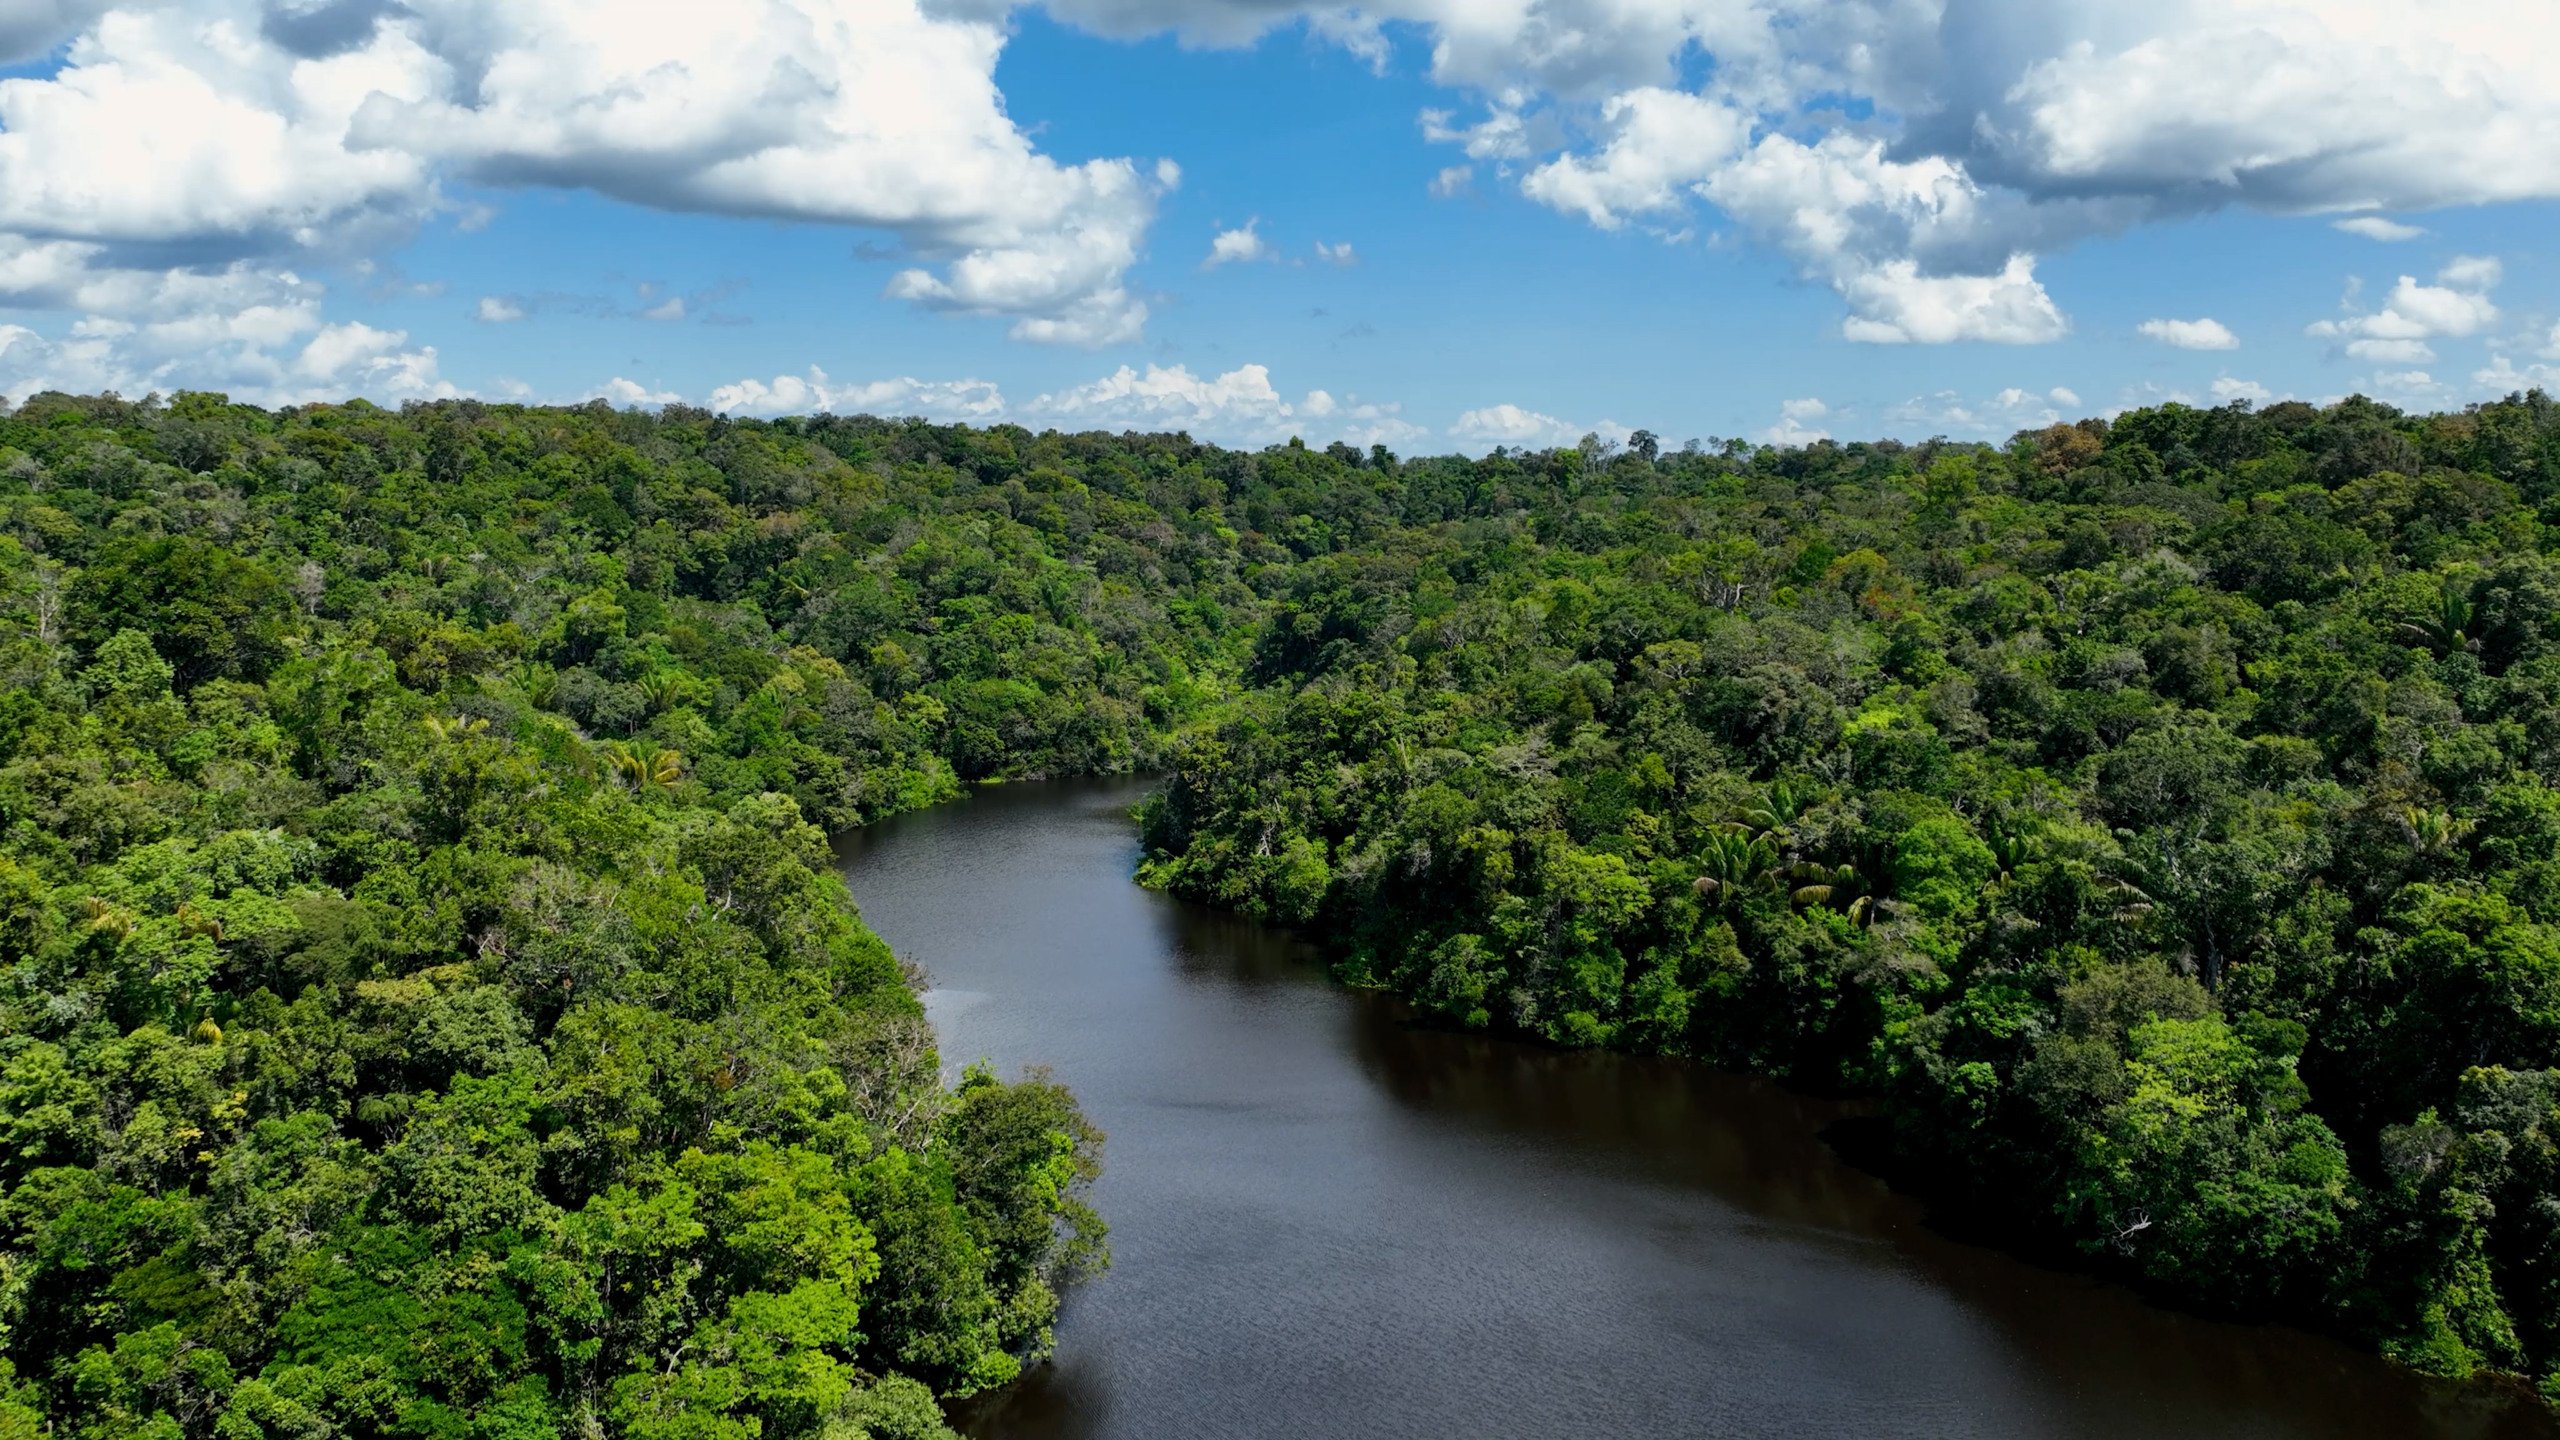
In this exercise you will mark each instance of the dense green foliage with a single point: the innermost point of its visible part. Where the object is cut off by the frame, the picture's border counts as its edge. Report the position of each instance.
(2153, 815)
(427, 1006)
(428, 1010)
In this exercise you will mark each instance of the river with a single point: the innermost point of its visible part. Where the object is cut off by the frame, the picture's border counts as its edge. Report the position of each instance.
(1327, 1224)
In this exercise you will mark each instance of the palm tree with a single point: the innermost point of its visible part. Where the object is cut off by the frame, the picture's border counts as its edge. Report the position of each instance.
(663, 687)
(2432, 832)
(1734, 859)
(643, 769)
(2130, 904)
(2009, 853)
(1837, 887)
(539, 682)
(106, 919)
(194, 921)
(661, 769)
(1780, 807)
(2450, 628)
(455, 728)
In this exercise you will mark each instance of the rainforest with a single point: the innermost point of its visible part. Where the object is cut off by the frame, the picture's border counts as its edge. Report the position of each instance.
(428, 1006)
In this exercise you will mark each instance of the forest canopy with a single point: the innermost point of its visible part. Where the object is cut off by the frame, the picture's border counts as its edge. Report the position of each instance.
(419, 1016)
(427, 1006)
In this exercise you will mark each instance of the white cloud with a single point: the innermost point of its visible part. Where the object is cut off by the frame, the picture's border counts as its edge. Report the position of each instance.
(1341, 254)
(1917, 156)
(189, 129)
(2016, 408)
(671, 308)
(230, 130)
(1977, 130)
(498, 310)
(2286, 104)
(264, 356)
(1920, 251)
(2473, 272)
(2414, 388)
(1453, 181)
(2391, 352)
(2501, 376)
(627, 393)
(1980, 134)
(977, 400)
(1663, 143)
(1507, 134)
(1242, 244)
(2201, 334)
(1358, 422)
(2456, 306)
(1510, 425)
(1241, 406)
(1895, 304)
(1170, 398)
(2375, 227)
(1795, 423)
(2226, 389)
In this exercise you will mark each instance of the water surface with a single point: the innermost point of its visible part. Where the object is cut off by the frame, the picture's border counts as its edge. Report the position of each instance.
(1327, 1223)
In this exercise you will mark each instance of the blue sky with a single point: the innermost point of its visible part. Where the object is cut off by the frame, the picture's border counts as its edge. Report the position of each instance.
(1650, 232)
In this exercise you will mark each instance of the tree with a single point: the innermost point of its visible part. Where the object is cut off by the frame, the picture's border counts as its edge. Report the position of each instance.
(209, 613)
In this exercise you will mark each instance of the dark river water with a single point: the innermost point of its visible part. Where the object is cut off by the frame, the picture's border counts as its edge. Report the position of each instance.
(1326, 1223)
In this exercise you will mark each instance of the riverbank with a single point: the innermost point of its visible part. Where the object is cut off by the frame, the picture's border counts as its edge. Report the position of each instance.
(1327, 1221)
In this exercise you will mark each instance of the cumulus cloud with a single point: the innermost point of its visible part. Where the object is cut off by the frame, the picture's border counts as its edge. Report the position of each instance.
(1170, 397)
(265, 357)
(187, 130)
(1241, 406)
(814, 393)
(2456, 306)
(1918, 157)
(498, 310)
(282, 134)
(1242, 244)
(2390, 352)
(2227, 389)
(1973, 131)
(1341, 254)
(1508, 424)
(1663, 143)
(1896, 304)
(1950, 412)
(1359, 422)
(2375, 227)
(2502, 376)
(627, 393)
(1796, 423)
(2200, 334)
(2287, 104)
(2412, 388)
(2473, 272)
